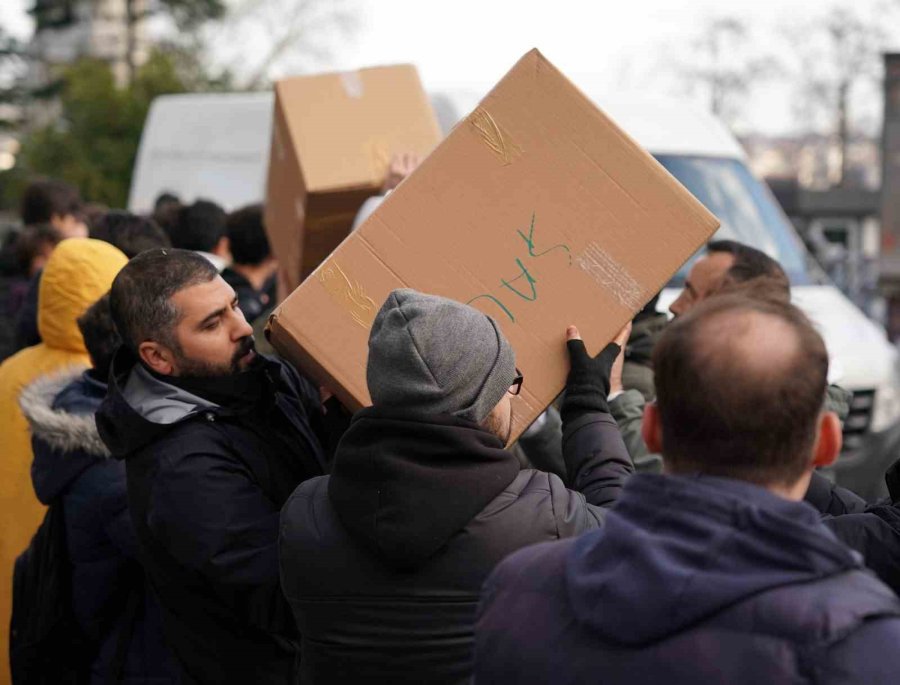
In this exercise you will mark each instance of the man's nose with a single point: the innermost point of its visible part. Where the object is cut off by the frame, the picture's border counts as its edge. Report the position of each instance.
(241, 328)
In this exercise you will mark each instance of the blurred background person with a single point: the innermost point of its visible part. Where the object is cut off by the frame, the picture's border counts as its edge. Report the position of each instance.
(253, 266)
(201, 227)
(129, 232)
(77, 274)
(58, 204)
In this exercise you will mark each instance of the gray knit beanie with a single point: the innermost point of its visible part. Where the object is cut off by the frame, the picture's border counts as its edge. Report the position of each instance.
(433, 355)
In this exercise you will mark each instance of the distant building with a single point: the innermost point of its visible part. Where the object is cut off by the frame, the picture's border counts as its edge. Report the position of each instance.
(838, 219)
(67, 30)
(814, 160)
(841, 228)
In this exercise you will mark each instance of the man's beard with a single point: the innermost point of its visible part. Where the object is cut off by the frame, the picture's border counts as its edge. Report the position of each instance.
(200, 368)
(495, 426)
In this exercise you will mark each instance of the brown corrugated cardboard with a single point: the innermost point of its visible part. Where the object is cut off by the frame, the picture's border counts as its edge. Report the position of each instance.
(333, 137)
(536, 209)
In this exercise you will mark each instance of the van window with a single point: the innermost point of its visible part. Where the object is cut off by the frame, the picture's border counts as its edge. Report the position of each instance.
(745, 207)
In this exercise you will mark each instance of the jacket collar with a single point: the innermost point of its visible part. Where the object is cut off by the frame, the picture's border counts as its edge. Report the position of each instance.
(60, 429)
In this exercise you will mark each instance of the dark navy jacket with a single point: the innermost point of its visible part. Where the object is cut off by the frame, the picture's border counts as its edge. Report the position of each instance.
(72, 465)
(694, 580)
(206, 483)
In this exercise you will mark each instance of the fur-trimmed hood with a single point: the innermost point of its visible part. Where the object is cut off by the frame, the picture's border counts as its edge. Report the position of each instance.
(60, 410)
(61, 429)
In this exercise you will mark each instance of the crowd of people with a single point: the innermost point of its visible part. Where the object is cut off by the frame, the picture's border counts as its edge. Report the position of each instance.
(222, 519)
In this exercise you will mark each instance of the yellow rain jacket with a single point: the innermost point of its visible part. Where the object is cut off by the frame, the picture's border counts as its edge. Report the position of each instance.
(78, 273)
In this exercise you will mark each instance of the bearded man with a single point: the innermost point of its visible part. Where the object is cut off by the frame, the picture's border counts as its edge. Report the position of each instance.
(215, 437)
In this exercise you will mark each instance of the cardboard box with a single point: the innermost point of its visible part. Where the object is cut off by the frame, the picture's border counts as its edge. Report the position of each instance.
(332, 140)
(537, 209)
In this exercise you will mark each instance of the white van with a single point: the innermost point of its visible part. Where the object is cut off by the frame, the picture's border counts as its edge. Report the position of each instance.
(699, 151)
(216, 146)
(204, 145)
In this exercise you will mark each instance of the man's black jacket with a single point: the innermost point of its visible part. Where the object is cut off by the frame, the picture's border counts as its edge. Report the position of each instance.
(383, 560)
(205, 486)
(872, 530)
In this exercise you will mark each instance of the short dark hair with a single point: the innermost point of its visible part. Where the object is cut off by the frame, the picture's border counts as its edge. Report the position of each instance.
(165, 199)
(199, 226)
(93, 213)
(140, 297)
(100, 335)
(165, 213)
(130, 233)
(45, 198)
(728, 410)
(761, 287)
(750, 264)
(247, 235)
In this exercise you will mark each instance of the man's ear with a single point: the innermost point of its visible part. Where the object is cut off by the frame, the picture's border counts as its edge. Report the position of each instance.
(157, 357)
(651, 428)
(829, 440)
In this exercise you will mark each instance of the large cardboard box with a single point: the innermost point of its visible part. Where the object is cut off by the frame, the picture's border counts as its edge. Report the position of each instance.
(537, 209)
(333, 137)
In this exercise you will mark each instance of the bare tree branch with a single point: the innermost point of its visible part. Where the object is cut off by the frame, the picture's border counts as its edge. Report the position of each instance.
(723, 66)
(294, 31)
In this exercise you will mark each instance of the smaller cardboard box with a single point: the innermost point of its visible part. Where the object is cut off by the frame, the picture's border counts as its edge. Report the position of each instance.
(333, 137)
(537, 209)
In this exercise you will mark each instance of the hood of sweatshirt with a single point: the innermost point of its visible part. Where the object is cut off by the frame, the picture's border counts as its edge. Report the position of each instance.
(78, 273)
(678, 549)
(403, 485)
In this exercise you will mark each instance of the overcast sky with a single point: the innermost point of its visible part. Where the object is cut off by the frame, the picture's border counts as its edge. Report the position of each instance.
(603, 45)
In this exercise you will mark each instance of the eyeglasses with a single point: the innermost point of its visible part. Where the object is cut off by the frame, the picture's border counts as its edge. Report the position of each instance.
(516, 386)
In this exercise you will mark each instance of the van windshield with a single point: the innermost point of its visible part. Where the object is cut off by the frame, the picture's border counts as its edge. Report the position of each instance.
(745, 207)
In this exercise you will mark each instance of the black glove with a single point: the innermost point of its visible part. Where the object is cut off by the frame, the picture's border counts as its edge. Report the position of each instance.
(588, 383)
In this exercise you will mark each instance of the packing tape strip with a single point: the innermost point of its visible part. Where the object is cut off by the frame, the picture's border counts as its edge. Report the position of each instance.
(497, 140)
(610, 274)
(348, 294)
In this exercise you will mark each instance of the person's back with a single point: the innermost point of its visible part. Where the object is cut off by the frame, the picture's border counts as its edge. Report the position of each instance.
(253, 267)
(715, 573)
(383, 560)
(692, 581)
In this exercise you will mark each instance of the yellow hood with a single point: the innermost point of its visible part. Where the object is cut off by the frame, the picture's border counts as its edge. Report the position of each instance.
(78, 273)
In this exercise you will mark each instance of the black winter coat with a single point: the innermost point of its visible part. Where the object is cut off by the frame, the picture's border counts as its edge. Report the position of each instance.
(873, 531)
(72, 467)
(205, 487)
(383, 561)
(692, 581)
